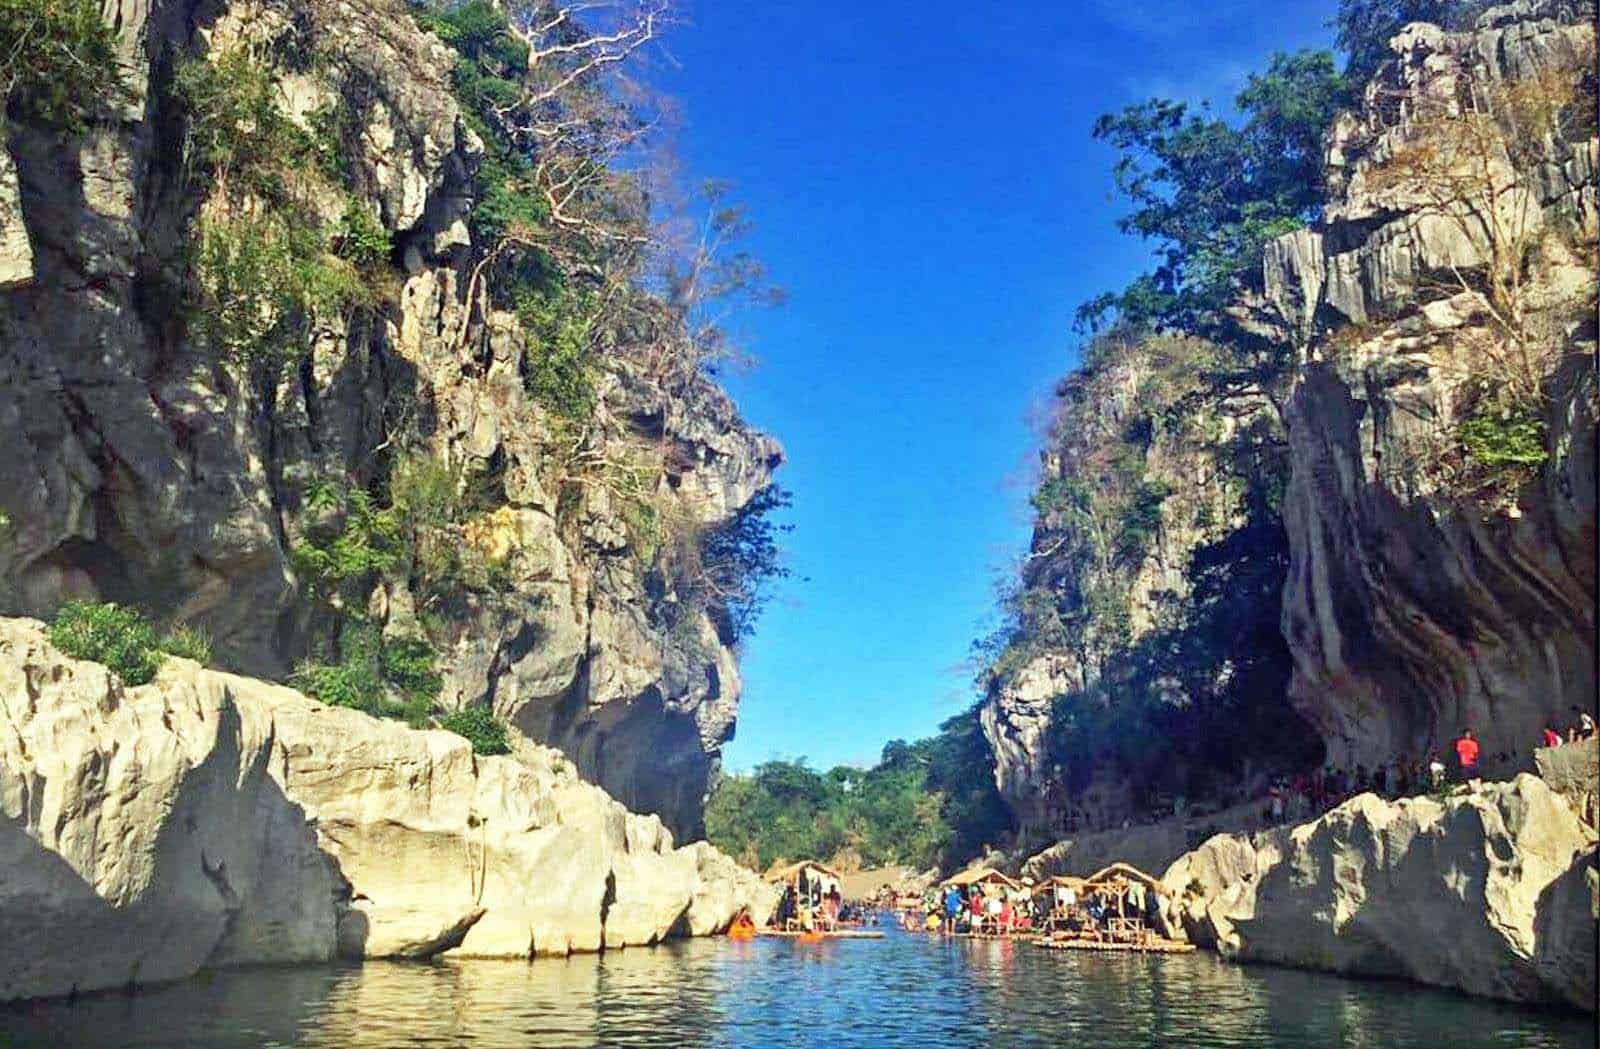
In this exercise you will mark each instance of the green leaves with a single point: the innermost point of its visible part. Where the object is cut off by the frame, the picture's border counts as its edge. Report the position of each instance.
(365, 540)
(925, 802)
(1210, 193)
(559, 368)
(58, 62)
(742, 558)
(123, 639)
(482, 729)
(117, 636)
(1503, 438)
(385, 677)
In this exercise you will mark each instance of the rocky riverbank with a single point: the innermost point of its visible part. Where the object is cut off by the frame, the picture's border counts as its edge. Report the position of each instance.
(1493, 891)
(207, 820)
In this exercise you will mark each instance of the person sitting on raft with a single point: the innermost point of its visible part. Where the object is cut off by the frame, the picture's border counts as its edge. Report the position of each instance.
(743, 926)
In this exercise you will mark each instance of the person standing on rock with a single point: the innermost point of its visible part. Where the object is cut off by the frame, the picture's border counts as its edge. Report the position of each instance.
(1467, 756)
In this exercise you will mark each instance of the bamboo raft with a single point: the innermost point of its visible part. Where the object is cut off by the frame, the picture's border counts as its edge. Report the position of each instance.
(836, 934)
(1148, 947)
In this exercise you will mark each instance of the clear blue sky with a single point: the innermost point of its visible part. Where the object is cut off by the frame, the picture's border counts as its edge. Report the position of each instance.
(924, 185)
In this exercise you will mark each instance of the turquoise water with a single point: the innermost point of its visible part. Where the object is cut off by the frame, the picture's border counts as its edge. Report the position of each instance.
(903, 991)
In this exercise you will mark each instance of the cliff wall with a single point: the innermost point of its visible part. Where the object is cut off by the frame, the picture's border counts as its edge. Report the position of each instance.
(1493, 891)
(1423, 595)
(206, 820)
(1405, 494)
(152, 468)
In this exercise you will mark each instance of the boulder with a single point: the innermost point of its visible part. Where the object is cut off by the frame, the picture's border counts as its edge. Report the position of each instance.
(1573, 771)
(1492, 891)
(206, 820)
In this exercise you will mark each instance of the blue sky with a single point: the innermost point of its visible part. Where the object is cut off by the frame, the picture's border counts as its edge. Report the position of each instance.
(925, 187)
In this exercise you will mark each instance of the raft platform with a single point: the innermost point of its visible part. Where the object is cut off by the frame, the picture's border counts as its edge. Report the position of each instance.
(1154, 947)
(837, 934)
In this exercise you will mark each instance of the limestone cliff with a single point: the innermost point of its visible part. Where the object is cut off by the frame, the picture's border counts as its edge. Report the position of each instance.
(1427, 551)
(1418, 602)
(149, 468)
(1493, 891)
(208, 820)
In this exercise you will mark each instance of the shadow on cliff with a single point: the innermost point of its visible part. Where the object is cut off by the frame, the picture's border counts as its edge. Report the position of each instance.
(49, 917)
(198, 867)
(1564, 933)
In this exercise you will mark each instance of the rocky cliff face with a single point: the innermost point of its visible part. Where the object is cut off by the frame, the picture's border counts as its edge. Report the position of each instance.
(1416, 605)
(207, 820)
(146, 468)
(1493, 891)
(1417, 590)
(1102, 569)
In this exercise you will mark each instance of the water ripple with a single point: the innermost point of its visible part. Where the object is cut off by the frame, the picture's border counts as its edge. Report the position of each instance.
(903, 991)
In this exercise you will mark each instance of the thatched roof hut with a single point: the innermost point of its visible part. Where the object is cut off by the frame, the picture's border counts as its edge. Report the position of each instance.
(980, 876)
(1119, 874)
(791, 873)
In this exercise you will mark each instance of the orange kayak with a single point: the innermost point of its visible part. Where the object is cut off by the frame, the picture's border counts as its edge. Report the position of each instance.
(743, 929)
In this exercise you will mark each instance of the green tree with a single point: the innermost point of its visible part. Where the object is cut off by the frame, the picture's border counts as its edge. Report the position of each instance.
(1209, 192)
(58, 62)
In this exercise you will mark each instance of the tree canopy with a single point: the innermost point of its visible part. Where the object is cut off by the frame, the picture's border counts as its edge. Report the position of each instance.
(927, 802)
(1209, 192)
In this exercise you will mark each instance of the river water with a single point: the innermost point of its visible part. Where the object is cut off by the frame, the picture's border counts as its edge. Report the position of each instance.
(902, 991)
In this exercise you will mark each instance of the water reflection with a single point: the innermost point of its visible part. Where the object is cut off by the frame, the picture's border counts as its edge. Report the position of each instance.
(903, 991)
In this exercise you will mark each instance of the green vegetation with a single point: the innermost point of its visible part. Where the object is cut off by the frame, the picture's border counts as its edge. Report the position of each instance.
(1190, 706)
(741, 559)
(395, 677)
(188, 642)
(58, 62)
(123, 639)
(385, 677)
(559, 368)
(1497, 437)
(1209, 193)
(924, 803)
(479, 726)
(265, 262)
(120, 637)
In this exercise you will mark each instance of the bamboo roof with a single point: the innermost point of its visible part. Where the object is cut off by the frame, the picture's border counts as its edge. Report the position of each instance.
(792, 871)
(1060, 881)
(979, 876)
(1123, 870)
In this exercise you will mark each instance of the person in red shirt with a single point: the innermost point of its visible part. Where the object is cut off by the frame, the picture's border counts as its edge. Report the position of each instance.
(1552, 738)
(1467, 755)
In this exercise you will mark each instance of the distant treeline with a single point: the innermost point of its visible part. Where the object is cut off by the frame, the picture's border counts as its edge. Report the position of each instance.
(925, 803)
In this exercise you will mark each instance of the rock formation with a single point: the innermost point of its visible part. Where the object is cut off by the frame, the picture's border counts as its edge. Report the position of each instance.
(208, 820)
(1417, 594)
(146, 469)
(1411, 611)
(1493, 891)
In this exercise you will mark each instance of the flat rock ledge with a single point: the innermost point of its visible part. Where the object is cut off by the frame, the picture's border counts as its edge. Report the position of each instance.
(206, 820)
(1493, 891)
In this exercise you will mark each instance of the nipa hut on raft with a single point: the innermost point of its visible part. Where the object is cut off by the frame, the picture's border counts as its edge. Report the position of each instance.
(807, 878)
(986, 877)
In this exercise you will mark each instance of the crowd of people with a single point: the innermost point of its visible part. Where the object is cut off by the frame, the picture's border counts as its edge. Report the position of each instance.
(1290, 800)
(813, 904)
(999, 909)
(978, 908)
(1304, 796)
